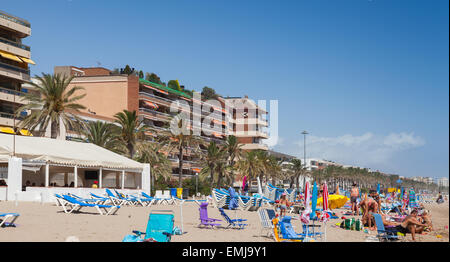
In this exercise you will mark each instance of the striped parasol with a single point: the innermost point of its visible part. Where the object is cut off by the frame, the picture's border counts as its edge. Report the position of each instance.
(325, 197)
(307, 195)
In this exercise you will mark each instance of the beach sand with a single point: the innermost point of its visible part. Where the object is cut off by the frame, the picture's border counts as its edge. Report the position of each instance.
(48, 223)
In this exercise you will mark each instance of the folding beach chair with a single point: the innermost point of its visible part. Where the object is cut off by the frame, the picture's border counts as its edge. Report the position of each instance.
(204, 219)
(4, 219)
(76, 205)
(266, 223)
(159, 228)
(382, 233)
(234, 223)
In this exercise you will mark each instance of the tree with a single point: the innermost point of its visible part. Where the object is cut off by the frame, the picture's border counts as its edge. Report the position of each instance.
(151, 153)
(127, 70)
(174, 85)
(152, 77)
(249, 165)
(209, 93)
(131, 129)
(211, 160)
(141, 74)
(54, 103)
(104, 135)
(179, 143)
(234, 151)
(298, 170)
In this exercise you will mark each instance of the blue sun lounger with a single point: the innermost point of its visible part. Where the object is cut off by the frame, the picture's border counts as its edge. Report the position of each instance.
(287, 231)
(76, 205)
(4, 219)
(159, 228)
(382, 233)
(235, 223)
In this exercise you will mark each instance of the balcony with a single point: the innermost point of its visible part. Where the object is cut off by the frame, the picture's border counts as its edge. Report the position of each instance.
(155, 99)
(250, 134)
(14, 48)
(11, 96)
(21, 26)
(7, 119)
(14, 72)
(255, 146)
(154, 115)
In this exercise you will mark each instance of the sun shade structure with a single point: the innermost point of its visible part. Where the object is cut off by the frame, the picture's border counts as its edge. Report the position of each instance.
(64, 152)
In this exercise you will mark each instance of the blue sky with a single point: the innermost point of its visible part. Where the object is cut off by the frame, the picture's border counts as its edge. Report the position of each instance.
(367, 78)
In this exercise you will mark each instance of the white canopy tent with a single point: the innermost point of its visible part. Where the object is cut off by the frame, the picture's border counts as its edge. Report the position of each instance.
(55, 152)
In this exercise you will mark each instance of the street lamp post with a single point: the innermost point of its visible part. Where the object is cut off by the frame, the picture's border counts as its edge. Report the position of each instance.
(304, 133)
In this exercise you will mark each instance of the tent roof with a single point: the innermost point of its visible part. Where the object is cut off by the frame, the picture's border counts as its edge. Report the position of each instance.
(64, 152)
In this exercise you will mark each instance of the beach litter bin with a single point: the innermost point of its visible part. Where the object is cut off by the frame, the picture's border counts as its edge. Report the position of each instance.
(180, 192)
(185, 193)
(173, 192)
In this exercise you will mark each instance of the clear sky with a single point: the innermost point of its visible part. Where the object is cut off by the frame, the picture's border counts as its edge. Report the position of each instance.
(368, 79)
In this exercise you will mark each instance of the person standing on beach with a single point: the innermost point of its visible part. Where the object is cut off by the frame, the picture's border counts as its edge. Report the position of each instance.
(353, 198)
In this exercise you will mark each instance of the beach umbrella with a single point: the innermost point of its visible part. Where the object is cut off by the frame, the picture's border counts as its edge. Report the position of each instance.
(334, 201)
(325, 215)
(378, 188)
(325, 197)
(243, 183)
(337, 189)
(307, 196)
(233, 199)
(314, 201)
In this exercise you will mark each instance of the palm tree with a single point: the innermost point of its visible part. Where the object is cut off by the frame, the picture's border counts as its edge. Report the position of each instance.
(249, 165)
(234, 151)
(131, 129)
(210, 160)
(53, 104)
(298, 170)
(151, 153)
(180, 143)
(103, 134)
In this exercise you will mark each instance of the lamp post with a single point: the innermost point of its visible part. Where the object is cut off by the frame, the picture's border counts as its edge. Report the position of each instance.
(304, 133)
(196, 184)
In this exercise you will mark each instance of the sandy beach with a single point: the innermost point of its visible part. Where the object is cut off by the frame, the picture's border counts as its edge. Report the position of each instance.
(48, 223)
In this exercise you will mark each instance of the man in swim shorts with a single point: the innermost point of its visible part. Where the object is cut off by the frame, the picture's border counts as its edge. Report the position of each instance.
(354, 194)
(411, 225)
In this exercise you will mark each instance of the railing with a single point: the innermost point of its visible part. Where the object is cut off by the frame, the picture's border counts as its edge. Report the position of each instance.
(14, 19)
(15, 68)
(11, 92)
(153, 112)
(157, 97)
(10, 116)
(18, 45)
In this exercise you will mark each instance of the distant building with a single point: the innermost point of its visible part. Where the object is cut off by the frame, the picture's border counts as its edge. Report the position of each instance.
(442, 182)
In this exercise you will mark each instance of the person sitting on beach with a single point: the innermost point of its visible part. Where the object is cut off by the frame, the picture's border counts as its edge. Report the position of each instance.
(283, 204)
(411, 225)
(354, 193)
(426, 219)
(387, 223)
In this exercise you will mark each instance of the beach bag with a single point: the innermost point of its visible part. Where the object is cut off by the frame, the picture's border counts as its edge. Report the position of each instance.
(132, 238)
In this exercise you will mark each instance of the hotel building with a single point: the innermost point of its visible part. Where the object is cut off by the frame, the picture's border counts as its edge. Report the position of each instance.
(108, 93)
(14, 71)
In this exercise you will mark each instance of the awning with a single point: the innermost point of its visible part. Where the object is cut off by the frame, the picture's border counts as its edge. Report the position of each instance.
(25, 132)
(27, 60)
(217, 135)
(7, 130)
(196, 170)
(150, 104)
(10, 56)
(157, 90)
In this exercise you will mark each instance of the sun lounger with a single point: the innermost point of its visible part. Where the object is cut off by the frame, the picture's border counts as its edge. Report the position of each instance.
(116, 200)
(382, 233)
(4, 219)
(102, 200)
(205, 221)
(76, 205)
(276, 233)
(234, 223)
(86, 200)
(159, 228)
(287, 231)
